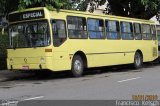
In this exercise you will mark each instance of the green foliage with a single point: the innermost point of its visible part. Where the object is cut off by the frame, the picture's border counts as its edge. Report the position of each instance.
(7, 6)
(144, 9)
(50, 4)
(4, 44)
(131, 8)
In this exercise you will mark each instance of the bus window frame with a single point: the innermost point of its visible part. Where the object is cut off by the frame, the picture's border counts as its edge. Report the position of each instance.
(132, 29)
(103, 32)
(118, 32)
(146, 33)
(155, 31)
(32, 21)
(79, 30)
(65, 31)
(134, 33)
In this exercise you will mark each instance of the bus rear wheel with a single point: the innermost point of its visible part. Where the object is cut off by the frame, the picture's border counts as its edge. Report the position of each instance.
(138, 60)
(77, 66)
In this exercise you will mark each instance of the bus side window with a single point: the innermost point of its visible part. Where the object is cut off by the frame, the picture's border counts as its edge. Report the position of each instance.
(77, 27)
(126, 30)
(112, 29)
(59, 32)
(137, 31)
(153, 32)
(146, 32)
(158, 35)
(95, 28)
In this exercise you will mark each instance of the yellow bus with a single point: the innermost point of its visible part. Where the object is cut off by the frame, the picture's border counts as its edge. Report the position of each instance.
(158, 35)
(42, 39)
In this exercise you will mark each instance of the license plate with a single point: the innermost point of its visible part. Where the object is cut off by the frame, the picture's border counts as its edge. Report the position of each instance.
(25, 67)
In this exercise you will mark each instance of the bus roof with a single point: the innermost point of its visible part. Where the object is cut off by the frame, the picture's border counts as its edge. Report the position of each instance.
(84, 13)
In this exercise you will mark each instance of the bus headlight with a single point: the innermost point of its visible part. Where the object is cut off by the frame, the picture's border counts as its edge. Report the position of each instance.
(42, 61)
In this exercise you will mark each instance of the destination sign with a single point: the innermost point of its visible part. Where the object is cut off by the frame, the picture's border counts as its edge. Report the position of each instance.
(28, 15)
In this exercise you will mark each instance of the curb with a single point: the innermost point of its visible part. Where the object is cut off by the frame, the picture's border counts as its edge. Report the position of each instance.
(3, 79)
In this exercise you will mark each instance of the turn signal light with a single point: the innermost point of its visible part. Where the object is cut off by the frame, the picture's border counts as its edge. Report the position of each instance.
(48, 50)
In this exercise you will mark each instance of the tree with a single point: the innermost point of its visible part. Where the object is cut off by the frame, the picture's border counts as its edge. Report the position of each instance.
(144, 9)
(50, 4)
(7, 6)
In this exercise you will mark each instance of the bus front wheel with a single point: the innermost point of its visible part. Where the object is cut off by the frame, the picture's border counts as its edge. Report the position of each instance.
(77, 66)
(138, 60)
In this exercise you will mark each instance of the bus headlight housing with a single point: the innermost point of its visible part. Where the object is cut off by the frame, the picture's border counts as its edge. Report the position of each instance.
(42, 60)
(11, 61)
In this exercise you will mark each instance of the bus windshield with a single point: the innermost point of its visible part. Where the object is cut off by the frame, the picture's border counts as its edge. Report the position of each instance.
(29, 34)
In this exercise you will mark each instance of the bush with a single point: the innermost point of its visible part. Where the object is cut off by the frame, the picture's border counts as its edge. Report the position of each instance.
(4, 44)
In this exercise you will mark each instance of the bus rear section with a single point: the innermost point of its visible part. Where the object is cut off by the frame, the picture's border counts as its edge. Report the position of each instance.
(158, 34)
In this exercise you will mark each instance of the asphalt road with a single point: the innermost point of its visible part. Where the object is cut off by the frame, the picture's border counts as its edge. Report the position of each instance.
(109, 83)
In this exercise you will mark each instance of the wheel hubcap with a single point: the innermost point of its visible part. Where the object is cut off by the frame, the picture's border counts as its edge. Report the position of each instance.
(77, 66)
(138, 60)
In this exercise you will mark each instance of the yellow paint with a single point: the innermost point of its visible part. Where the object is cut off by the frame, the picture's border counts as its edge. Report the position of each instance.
(102, 52)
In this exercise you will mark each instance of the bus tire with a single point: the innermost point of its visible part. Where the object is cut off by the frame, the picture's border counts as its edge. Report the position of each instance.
(77, 66)
(158, 59)
(138, 60)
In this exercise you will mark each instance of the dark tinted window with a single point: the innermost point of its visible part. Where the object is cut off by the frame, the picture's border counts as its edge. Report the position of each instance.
(153, 32)
(112, 29)
(77, 27)
(59, 32)
(137, 31)
(146, 32)
(126, 30)
(96, 28)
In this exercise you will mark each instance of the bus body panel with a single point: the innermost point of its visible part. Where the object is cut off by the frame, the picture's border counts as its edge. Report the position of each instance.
(99, 52)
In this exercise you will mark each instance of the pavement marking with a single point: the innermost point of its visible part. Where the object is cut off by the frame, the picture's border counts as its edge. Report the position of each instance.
(129, 79)
(34, 98)
(16, 102)
(9, 103)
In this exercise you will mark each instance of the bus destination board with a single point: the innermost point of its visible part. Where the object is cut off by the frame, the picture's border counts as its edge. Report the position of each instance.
(27, 15)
